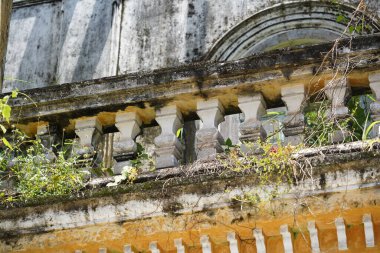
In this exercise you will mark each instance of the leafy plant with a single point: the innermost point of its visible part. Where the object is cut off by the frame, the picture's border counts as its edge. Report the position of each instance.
(274, 168)
(143, 159)
(5, 110)
(37, 171)
(228, 145)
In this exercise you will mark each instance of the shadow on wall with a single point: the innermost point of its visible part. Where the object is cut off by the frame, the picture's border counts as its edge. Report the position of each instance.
(58, 43)
(94, 43)
(32, 52)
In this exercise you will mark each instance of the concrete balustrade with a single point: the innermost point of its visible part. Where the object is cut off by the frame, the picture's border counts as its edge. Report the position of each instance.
(169, 149)
(294, 98)
(209, 141)
(234, 243)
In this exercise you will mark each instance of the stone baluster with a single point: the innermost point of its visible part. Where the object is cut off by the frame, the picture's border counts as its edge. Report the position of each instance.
(153, 247)
(169, 149)
(253, 108)
(179, 245)
(341, 233)
(233, 241)
(368, 231)
(294, 124)
(209, 141)
(313, 232)
(89, 131)
(338, 91)
(48, 135)
(206, 244)
(128, 249)
(124, 145)
(374, 83)
(260, 240)
(286, 239)
(252, 130)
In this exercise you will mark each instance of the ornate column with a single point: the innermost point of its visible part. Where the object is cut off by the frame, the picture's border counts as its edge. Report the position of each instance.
(253, 108)
(169, 149)
(48, 135)
(209, 141)
(89, 131)
(338, 91)
(294, 124)
(124, 145)
(374, 83)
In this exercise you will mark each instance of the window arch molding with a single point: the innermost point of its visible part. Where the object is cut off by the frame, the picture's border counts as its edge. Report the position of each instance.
(285, 25)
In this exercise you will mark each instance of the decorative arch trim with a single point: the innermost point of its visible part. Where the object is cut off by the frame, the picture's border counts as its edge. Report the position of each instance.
(284, 25)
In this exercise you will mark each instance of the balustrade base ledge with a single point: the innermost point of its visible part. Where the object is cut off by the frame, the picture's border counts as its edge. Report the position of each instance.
(211, 169)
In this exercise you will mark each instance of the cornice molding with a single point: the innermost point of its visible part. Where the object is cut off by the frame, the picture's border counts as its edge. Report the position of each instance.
(27, 3)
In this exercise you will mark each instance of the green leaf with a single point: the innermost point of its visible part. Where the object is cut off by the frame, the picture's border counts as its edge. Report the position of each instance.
(6, 112)
(228, 142)
(351, 29)
(273, 113)
(371, 98)
(179, 133)
(340, 18)
(5, 99)
(3, 128)
(369, 128)
(6, 143)
(14, 93)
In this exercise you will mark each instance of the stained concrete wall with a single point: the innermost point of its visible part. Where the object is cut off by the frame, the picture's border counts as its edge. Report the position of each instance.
(58, 41)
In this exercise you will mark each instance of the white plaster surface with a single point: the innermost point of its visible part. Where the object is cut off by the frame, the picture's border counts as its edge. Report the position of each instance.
(54, 42)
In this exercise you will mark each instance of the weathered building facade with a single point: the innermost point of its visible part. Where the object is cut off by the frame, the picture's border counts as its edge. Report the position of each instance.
(117, 73)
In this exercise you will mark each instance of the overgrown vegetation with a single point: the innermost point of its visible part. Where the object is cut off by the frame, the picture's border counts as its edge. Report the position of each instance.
(272, 164)
(36, 171)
